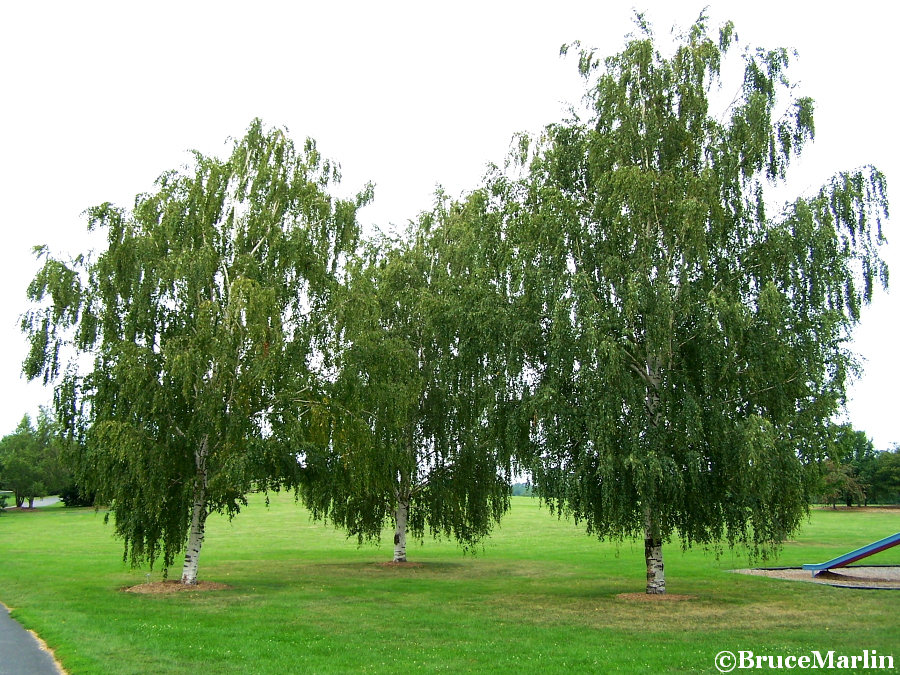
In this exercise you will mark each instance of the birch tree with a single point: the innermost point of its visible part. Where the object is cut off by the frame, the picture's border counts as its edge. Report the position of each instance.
(692, 338)
(421, 419)
(182, 353)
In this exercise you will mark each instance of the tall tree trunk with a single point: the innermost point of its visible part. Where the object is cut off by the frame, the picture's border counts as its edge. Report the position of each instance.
(656, 575)
(401, 515)
(198, 517)
(31, 502)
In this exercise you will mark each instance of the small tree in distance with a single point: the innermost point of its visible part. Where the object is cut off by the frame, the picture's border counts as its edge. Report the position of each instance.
(846, 471)
(31, 462)
(885, 475)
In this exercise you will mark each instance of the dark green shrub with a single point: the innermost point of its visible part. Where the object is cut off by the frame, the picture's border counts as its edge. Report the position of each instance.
(72, 495)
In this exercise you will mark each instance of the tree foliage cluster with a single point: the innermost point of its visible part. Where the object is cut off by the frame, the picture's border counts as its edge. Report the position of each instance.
(622, 312)
(693, 338)
(423, 424)
(855, 473)
(32, 463)
(203, 318)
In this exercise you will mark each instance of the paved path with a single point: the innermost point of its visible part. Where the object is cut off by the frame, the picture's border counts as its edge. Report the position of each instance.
(43, 501)
(20, 653)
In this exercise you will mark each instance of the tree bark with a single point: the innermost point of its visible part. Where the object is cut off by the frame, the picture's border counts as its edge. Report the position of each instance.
(656, 575)
(400, 518)
(198, 518)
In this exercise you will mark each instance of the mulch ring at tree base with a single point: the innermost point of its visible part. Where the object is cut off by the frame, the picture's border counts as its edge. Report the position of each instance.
(174, 586)
(654, 597)
(886, 577)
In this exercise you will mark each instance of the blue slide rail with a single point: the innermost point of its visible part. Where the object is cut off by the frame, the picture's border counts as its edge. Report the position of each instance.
(858, 554)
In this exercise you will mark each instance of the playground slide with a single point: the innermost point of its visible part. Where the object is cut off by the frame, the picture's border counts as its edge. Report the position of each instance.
(858, 554)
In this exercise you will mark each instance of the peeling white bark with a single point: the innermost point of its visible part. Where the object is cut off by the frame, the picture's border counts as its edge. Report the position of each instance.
(653, 556)
(400, 517)
(198, 518)
(656, 575)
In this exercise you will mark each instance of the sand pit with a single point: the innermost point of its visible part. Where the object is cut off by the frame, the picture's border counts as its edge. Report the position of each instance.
(885, 577)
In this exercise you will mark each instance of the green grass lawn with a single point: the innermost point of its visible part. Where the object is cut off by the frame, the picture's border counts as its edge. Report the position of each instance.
(541, 596)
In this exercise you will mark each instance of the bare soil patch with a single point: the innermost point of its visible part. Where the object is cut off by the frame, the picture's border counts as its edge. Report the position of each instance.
(885, 577)
(174, 586)
(657, 597)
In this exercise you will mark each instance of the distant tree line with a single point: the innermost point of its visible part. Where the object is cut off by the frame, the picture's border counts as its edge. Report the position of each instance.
(856, 473)
(522, 490)
(32, 462)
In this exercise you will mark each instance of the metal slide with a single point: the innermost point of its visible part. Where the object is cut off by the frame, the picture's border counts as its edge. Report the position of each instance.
(858, 554)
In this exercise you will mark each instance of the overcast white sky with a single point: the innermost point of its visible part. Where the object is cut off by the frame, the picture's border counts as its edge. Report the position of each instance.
(98, 98)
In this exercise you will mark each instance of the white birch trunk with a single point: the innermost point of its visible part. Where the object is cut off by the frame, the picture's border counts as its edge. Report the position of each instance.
(656, 575)
(400, 516)
(198, 519)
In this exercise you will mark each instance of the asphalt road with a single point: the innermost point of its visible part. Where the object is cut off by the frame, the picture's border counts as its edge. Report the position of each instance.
(20, 653)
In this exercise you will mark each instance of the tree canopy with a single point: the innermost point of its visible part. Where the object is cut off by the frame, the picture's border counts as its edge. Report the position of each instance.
(183, 351)
(422, 428)
(882, 476)
(857, 473)
(692, 338)
(31, 462)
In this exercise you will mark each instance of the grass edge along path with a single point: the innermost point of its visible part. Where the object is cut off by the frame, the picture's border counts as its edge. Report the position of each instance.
(540, 594)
